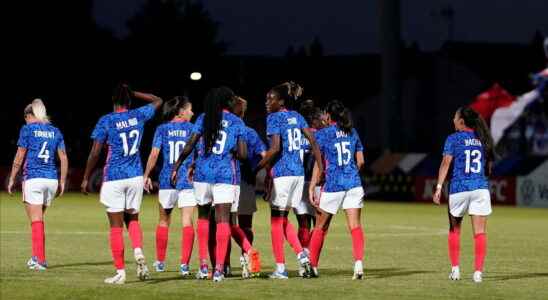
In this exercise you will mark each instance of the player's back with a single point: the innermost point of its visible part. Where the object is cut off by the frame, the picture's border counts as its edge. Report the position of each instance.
(218, 164)
(123, 131)
(339, 152)
(288, 125)
(468, 161)
(172, 137)
(41, 141)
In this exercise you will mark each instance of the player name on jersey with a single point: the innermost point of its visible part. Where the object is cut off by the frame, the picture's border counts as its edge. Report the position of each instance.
(44, 134)
(341, 134)
(292, 121)
(177, 133)
(126, 124)
(472, 142)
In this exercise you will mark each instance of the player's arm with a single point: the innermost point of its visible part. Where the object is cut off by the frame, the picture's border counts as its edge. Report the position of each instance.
(91, 163)
(17, 163)
(315, 149)
(187, 150)
(155, 100)
(151, 162)
(313, 183)
(271, 153)
(442, 174)
(64, 170)
(360, 161)
(241, 150)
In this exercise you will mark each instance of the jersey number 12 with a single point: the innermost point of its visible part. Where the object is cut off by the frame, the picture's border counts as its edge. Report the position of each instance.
(132, 134)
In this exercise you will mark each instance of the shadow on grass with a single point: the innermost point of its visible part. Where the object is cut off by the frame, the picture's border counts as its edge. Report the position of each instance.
(374, 273)
(516, 276)
(99, 263)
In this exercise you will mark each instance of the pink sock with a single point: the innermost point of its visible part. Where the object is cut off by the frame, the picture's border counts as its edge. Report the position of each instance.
(117, 246)
(222, 239)
(239, 236)
(38, 241)
(187, 242)
(358, 243)
(203, 239)
(480, 249)
(316, 243)
(453, 241)
(135, 234)
(277, 235)
(162, 234)
(304, 236)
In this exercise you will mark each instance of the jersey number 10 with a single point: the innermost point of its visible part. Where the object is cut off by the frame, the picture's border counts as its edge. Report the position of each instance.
(175, 148)
(473, 161)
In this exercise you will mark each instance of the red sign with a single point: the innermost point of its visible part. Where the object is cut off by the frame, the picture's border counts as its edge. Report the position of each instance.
(503, 189)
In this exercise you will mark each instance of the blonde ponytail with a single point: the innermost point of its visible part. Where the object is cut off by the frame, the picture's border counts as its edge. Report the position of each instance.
(38, 110)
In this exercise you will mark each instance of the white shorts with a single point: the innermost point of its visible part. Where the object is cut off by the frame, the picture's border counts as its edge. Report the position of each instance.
(247, 204)
(331, 202)
(304, 207)
(287, 191)
(123, 195)
(476, 203)
(215, 193)
(183, 198)
(39, 191)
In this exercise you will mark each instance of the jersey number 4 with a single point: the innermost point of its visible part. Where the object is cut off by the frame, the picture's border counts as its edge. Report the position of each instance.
(44, 153)
(473, 161)
(134, 134)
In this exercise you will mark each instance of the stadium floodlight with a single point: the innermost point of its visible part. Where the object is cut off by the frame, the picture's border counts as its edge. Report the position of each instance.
(195, 76)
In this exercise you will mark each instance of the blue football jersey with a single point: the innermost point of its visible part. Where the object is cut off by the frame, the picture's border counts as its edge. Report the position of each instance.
(288, 125)
(468, 162)
(171, 139)
(255, 146)
(339, 153)
(42, 142)
(219, 165)
(122, 132)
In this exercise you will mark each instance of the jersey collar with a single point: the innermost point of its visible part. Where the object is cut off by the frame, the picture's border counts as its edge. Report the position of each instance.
(178, 120)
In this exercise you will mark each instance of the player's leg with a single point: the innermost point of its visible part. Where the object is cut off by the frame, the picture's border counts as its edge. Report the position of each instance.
(222, 238)
(453, 245)
(204, 199)
(479, 224)
(479, 209)
(352, 205)
(246, 224)
(131, 219)
(186, 201)
(162, 237)
(35, 213)
(279, 206)
(358, 239)
(323, 219)
(116, 221)
(457, 207)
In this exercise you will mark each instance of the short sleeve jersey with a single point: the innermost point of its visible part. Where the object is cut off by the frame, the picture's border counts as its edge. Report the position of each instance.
(42, 141)
(288, 125)
(122, 132)
(468, 162)
(339, 153)
(307, 156)
(255, 146)
(171, 138)
(219, 164)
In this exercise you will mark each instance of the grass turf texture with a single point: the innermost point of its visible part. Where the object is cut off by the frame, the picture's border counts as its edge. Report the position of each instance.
(406, 257)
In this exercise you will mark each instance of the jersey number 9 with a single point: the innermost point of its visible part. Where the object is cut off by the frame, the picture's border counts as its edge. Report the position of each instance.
(220, 143)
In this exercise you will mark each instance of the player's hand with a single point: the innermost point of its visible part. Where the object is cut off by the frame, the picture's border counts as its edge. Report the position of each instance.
(437, 196)
(148, 185)
(173, 178)
(61, 189)
(268, 183)
(11, 183)
(84, 187)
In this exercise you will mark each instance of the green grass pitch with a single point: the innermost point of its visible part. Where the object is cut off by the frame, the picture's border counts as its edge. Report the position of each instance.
(406, 257)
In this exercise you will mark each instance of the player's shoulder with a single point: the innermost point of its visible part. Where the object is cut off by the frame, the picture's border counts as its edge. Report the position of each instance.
(456, 136)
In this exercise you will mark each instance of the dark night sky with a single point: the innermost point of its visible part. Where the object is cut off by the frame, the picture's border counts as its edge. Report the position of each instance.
(351, 26)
